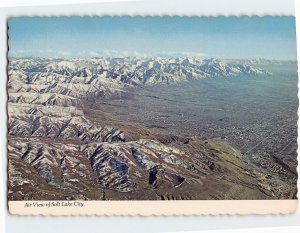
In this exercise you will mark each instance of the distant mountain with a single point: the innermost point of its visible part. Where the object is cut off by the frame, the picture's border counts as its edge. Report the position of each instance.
(262, 61)
(104, 76)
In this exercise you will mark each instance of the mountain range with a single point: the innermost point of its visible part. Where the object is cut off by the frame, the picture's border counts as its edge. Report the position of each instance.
(57, 150)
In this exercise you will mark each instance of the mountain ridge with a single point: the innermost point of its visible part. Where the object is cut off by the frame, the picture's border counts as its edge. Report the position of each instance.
(57, 151)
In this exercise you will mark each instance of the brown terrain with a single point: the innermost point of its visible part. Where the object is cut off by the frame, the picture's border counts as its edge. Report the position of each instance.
(63, 144)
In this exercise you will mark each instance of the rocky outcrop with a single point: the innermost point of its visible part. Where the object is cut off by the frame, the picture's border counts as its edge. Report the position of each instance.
(143, 169)
(33, 121)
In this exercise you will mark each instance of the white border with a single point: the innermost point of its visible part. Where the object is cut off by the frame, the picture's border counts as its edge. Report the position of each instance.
(154, 7)
(209, 7)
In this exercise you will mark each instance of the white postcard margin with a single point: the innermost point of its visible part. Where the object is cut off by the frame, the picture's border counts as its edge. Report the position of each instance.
(146, 208)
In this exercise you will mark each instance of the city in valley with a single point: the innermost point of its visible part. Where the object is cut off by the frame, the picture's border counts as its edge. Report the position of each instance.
(151, 128)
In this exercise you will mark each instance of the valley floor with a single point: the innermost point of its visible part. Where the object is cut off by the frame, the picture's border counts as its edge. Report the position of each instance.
(213, 138)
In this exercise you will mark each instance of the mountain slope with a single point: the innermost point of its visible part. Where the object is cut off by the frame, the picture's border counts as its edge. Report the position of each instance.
(57, 150)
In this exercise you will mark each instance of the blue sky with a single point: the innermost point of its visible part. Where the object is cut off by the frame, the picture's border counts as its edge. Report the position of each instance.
(221, 37)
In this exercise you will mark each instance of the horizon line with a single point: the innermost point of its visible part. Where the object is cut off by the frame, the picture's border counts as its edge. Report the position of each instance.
(154, 56)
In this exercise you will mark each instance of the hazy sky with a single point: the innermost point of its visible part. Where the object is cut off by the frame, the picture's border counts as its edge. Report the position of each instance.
(233, 37)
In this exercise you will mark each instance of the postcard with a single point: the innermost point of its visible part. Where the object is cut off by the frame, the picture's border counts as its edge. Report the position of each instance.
(147, 115)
